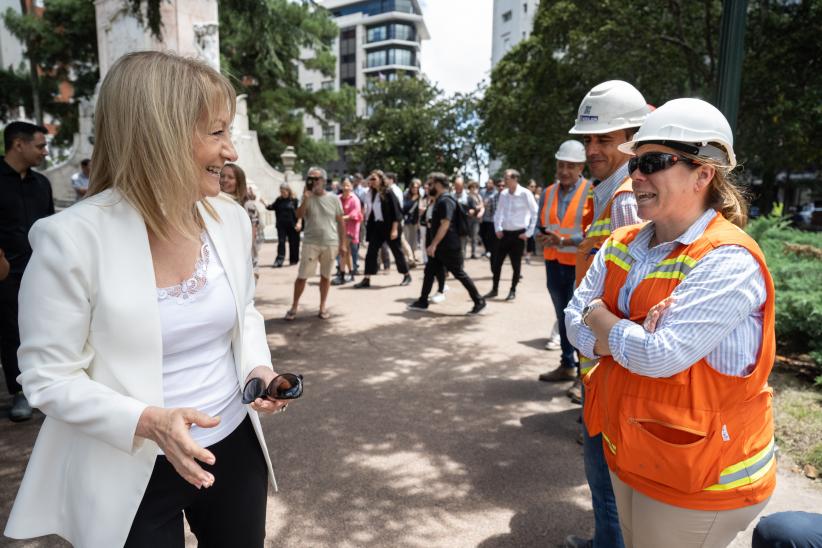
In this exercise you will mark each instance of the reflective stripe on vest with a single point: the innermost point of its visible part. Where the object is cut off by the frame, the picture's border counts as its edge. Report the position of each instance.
(609, 443)
(677, 267)
(551, 206)
(586, 364)
(617, 253)
(600, 227)
(746, 472)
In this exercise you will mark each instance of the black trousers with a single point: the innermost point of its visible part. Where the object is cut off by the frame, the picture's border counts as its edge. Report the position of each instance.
(288, 233)
(229, 513)
(510, 245)
(10, 331)
(379, 234)
(451, 260)
(489, 239)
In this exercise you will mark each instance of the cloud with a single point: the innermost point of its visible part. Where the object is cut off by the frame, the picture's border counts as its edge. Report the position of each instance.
(458, 55)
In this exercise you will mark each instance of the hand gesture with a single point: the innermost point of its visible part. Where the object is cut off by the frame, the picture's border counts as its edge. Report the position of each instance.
(265, 405)
(654, 317)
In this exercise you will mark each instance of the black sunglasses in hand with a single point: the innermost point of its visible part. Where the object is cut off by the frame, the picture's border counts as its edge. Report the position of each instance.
(286, 386)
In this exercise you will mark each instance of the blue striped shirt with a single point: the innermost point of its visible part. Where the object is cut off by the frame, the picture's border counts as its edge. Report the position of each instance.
(717, 312)
(623, 209)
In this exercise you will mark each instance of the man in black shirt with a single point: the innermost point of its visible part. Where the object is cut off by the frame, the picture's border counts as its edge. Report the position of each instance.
(25, 197)
(444, 250)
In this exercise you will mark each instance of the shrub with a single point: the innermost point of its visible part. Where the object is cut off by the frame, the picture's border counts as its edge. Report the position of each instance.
(795, 260)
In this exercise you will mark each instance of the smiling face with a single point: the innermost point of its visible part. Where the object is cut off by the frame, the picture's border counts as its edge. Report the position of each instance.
(602, 154)
(568, 173)
(228, 180)
(346, 188)
(672, 195)
(212, 149)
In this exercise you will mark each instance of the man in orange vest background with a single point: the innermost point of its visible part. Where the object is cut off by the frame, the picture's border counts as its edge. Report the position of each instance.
(608, 116)
(564, 209)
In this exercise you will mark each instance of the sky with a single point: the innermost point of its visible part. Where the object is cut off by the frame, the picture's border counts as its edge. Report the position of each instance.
(458, 55)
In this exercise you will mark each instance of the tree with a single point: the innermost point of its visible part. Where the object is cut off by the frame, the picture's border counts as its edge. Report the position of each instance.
(59, 49)
(413, 129)
(667, 50)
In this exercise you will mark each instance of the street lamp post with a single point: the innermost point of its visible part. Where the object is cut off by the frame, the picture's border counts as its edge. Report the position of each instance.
(731, 55)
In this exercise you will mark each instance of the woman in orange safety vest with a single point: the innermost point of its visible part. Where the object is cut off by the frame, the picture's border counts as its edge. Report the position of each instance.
(680, 312)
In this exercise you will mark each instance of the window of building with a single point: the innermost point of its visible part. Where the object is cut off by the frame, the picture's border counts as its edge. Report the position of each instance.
(506, 16)
(328, 84)
(375, 58)
(400, 57)
(525, 8)
(402, 31)
(309, 87)
(328, 133)
(309, 131)
(377, 34)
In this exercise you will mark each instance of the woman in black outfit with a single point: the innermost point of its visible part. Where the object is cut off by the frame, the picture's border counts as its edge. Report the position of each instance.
(411, 216)
(382, 226)
(288, 226)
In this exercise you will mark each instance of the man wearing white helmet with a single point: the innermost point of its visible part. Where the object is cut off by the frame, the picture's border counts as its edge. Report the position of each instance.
(608, 116)
(565, 208)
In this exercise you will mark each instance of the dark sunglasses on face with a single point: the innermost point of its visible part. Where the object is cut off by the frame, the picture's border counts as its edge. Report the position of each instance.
(651, 162)
(286, 386)
(313, 178)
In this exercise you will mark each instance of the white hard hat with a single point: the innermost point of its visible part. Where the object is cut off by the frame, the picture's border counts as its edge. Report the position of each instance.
(689, 125)
(610, 106)
(571, 151)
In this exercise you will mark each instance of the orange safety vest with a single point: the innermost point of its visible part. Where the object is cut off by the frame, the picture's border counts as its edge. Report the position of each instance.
(577, 216)
(597, 233)
(699, 439)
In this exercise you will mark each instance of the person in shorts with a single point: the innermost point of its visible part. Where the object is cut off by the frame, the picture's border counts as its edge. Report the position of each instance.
(323, 214)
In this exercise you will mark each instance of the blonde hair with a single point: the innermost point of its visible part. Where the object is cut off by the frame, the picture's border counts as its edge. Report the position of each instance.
(150, 108)
(724, 195)
(241, 189)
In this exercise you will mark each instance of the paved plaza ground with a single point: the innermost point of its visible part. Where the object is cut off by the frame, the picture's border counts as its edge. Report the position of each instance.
(416, 429)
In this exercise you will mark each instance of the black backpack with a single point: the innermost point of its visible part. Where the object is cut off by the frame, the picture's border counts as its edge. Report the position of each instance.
(460, 217)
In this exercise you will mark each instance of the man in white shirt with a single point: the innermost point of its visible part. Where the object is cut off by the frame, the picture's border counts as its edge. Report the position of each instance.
(79, 181)
(514, 222)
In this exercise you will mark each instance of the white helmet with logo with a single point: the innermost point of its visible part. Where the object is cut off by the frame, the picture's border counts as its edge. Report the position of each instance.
(610, 106)
(688, 125)
(571, 151)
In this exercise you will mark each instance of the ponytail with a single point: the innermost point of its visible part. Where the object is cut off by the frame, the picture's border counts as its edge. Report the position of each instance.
(727, 198)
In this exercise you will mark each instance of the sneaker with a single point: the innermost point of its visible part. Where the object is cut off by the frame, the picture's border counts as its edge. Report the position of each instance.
(418, 306)
(365, 282)
(445, 288)
(553, 344)
(511, 295)
(351, 276)
(437, 298)
(575, 392)
(406, 280)
(491, 294)
(277, 264)
(560, 374)
(573, 541)
(339, 280)
(478, 308)
(20, 409)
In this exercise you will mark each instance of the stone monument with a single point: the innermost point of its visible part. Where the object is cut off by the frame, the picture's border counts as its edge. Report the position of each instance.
(189, 27)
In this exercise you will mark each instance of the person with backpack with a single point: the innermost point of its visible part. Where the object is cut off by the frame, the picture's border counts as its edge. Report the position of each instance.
(444, 251)
(514, 222)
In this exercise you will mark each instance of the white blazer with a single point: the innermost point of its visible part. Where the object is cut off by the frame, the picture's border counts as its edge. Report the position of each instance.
(91, 360)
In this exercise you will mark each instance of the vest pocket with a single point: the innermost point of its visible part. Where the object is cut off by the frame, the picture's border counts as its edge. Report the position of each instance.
(674, 446)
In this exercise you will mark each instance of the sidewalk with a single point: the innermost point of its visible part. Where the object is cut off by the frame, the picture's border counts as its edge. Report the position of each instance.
(416, 429)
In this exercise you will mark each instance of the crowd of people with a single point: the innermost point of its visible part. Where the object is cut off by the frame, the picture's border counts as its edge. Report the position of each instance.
(664, 308)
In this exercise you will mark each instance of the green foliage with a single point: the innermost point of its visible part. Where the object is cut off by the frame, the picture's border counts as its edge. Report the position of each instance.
(414, 129)
(667, 50)
(795, 261)
(59, 44)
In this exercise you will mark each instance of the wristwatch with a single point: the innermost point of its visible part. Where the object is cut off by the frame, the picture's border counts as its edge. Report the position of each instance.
(586, 311)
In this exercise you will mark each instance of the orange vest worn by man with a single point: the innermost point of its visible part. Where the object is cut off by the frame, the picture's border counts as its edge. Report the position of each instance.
(579, 214)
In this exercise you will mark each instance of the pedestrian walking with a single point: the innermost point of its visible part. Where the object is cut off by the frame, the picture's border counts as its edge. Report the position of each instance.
(25, 198)
(514, 222)
(444, 251)
(323, 240)
(608, 115)
(565, 208)
(131, 355)
(474, 212)
(352, 216)
(489, 206)
(411, 217)
(681, 312)
(287, 224)
(383, 226)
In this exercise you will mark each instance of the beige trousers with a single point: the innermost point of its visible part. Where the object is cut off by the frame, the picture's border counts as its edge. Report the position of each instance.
(649, 523)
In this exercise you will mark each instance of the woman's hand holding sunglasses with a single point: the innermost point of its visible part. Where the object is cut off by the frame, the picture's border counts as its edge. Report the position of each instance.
(268, 392)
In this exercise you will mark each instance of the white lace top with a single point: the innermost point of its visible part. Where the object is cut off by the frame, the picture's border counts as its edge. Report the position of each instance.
(198, 317)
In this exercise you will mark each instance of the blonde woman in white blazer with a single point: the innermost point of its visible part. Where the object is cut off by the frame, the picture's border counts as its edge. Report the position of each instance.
(105, 353)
